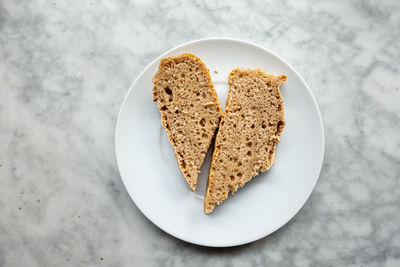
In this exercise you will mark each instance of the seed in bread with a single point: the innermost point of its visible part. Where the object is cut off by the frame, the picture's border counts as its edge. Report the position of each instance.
(248, 133)
(190, 110)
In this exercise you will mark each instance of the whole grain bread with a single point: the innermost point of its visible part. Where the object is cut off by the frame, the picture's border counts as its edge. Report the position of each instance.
(248, 133)
(190, 110)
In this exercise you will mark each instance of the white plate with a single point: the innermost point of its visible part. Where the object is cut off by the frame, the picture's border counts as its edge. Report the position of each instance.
(152, 178)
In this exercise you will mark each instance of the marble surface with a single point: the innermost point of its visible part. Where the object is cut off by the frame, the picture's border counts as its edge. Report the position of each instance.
(65, 67)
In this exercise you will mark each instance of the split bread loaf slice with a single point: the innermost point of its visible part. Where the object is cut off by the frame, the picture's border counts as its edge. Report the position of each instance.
(248, 133)
(190, 110)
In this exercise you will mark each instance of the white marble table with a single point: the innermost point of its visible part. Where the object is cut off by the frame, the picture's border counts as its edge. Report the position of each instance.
(65, 67)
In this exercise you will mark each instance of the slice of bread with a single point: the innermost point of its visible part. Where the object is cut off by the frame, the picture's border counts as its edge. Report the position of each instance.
(190, 110)
(248, 133)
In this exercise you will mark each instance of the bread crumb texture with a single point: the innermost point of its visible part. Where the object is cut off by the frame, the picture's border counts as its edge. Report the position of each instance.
(248, 133)
(190, 110)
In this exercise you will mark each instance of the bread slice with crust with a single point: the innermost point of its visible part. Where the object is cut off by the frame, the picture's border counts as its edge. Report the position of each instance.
(248, 133)
(190, 110)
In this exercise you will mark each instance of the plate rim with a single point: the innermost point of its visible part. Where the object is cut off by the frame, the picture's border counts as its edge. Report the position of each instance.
(321, 125)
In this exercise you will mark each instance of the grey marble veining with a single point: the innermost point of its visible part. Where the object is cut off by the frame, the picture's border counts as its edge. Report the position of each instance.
(65, 67)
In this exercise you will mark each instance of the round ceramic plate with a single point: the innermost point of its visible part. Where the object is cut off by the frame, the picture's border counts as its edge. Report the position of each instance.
(152, 178)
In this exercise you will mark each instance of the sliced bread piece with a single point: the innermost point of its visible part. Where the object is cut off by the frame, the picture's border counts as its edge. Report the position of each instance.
(190, 110)
(248, 133)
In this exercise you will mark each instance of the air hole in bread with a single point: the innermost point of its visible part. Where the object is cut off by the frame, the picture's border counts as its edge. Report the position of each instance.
(168, 91)
(278, 126)
(203, 122)
(263, 125)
